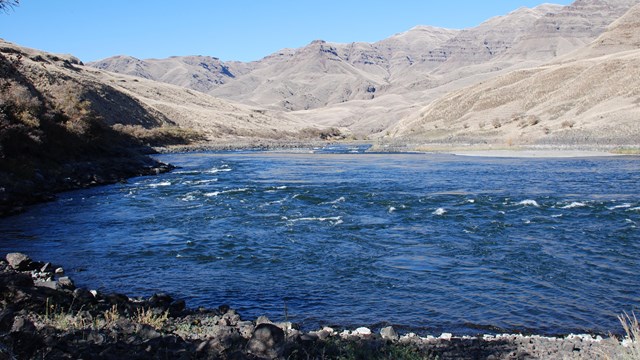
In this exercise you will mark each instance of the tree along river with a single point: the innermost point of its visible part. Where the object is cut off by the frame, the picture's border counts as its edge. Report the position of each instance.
(336, 236)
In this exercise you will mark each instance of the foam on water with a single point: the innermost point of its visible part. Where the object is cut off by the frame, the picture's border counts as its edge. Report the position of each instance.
(222, 192)
(574, 204)
(160, 184)
(439, 212)
(622, 206)
(341, 199)
(321, 219)
(199, 182)
(529, 202)
(218, 170)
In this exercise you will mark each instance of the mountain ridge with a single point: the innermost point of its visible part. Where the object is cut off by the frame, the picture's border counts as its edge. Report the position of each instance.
(369, 87)
(585, 98)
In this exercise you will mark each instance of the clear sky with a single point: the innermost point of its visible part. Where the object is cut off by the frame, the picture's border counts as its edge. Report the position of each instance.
(228, 29)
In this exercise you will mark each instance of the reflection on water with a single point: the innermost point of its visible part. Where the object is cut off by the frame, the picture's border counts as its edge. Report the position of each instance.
(430, 242)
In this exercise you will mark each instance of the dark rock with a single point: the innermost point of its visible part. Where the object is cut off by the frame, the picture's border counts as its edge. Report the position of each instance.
(15, 280)
(160, 300)
(146, 332)
(24, 338)
(223, 309)
(84, 296)
(6, 320)
(18, 261)
(46, 267)
(177, 307)
(96, 338)
(117, 299)
(267, 340)
(310, 338)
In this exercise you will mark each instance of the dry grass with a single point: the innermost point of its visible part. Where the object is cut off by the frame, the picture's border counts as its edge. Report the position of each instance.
(630, 349)
(60, 319)
(149, 317)
(161, 136)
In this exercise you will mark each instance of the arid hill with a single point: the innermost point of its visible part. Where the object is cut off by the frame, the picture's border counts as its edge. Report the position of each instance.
(590, 97)
(64, 125)
(369, 87)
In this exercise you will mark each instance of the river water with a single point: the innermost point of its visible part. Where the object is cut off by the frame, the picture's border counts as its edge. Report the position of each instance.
(336, 236)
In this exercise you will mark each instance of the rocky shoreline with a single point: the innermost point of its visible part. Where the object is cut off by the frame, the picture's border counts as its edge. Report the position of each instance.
(16, 195)
(44, 315)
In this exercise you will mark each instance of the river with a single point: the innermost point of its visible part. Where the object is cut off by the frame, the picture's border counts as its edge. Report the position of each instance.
(337, 236)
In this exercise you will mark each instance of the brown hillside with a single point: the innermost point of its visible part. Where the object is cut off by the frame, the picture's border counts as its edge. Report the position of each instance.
(587, 99)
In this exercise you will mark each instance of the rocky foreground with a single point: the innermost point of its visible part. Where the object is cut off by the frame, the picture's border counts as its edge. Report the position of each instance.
(45, 316)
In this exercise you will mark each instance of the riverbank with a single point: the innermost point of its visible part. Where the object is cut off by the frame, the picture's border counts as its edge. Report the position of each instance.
(531, 151)
(44, 315)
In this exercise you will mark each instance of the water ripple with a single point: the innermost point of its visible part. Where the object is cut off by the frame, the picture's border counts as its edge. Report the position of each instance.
(421, 241)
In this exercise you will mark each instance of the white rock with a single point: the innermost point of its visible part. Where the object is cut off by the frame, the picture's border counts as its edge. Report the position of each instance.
(94, 293)
(362, 331)
(446, 336)
(389, 333)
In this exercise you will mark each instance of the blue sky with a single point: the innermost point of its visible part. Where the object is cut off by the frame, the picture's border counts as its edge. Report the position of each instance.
(232, 29)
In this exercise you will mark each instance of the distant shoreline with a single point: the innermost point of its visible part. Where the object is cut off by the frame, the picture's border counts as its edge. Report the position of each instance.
(470, 150)
(535, 153)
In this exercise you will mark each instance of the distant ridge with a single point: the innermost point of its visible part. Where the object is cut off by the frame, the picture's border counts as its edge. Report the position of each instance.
(590, 97)
(372, 89)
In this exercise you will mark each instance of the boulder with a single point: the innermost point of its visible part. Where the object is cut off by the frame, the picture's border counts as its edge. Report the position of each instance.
(66, 283)
(18, 261)
(48, 284)
(389, 333)
(6, 320)
(83, 296)
(160, 300)
(362, 331)
(267, 341)
(177, 307)
(263, 320)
